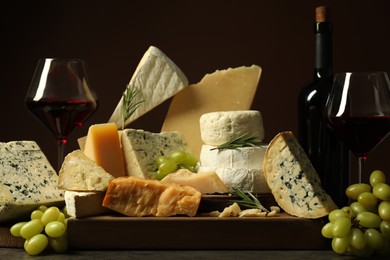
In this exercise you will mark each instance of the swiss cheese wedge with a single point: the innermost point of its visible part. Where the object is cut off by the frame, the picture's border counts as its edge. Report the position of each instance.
(224, 90)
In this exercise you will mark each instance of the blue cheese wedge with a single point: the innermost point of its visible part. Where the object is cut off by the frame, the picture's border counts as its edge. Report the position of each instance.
(142, 148)
(27, 180)
(293, 180)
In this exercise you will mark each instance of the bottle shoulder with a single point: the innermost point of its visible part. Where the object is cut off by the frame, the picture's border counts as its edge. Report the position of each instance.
(315, 91)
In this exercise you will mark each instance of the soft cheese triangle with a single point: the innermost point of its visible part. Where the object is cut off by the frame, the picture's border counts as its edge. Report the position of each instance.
(157, 78)
(293, 180)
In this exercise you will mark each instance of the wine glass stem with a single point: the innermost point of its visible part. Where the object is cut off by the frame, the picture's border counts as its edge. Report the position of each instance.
(60, 153)
(362, 162)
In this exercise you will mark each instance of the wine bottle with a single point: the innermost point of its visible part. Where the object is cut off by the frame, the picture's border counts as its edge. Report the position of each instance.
(328, 154)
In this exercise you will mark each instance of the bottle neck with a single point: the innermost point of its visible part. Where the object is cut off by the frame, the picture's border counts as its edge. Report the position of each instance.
(323, 66)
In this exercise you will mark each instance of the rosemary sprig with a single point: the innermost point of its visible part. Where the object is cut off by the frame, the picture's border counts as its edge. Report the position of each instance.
(128, 100)
(244, 140)
(247, 199)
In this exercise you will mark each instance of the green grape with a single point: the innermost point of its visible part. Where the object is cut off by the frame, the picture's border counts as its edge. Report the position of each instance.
(160, 176)
(385, 229)
(347, 209)
(382, 191)
(367, 199)
(368, 219)
(354, 190)
(384, 210)
(61, 217)
(167, 166)
(42, 208)
(15, 229)
(179, 157)
(356, 208)
(341, 227)
(385, 249)
(357, 239)
(161, 159)
(55, 229)
(337, 213)
(373, 238)
(36, 214)
(340, 244)
(51, 214)
(365, 252)
(376, 177)
(190, 160)
(59, 244)
(36, 244)
(31, 228)
(327, 230)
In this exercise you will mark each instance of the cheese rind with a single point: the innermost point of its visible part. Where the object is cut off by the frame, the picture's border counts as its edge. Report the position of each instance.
(132, 196)
(80, 173)
(27, 180)
(157, 78)
(142, 148)
(220, 127)
(293, 180)
(85, 203)
(224, 90)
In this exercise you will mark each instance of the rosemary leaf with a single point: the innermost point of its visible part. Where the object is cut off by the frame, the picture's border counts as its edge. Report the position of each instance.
(247, 199)
(129, 106)
(245, 140)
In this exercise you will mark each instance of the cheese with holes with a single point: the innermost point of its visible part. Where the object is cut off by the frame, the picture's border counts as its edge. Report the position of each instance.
(224, 90)
(142, 148)
(103, 146)
(139, 197)
(27, 180)
(157, 78)
(220, 127)
(205, 182)
(85, 203)
(293, 180)
(80, 173)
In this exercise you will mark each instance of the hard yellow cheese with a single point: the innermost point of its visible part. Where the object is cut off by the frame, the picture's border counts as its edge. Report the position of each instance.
(103, 146)
(224, 90)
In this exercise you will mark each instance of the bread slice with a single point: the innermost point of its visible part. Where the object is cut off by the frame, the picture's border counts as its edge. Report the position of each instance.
(293, 180)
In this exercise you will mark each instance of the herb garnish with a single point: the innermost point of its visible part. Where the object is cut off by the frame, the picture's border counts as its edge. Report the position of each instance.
(247, 199)
(128, 106)
(244, 140)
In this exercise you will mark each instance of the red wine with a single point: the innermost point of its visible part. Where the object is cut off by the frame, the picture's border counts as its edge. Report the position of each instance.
(361, 134)
(329, 156)
(61, 117)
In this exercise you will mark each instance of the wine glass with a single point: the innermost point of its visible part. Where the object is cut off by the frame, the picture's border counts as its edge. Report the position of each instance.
(358, 112)
(61, 97)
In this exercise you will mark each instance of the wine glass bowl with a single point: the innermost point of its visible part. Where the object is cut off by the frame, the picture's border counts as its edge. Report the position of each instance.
(358, 111)
(61, 97)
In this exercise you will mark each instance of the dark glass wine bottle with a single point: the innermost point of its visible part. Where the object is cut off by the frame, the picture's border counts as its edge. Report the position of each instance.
(328, 155)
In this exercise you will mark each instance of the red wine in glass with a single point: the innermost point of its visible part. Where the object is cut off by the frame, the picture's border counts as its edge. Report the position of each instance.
(61, 97)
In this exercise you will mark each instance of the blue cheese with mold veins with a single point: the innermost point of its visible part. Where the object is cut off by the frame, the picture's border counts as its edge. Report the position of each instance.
(293, 180)
(142, 148)
(27, 180)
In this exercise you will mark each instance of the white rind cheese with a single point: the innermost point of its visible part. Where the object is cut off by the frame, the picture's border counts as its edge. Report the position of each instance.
(241, 158)
(142, 148)
(217, 128)
(157, 78)
(27, 180)
(84, 204)
(293, 180)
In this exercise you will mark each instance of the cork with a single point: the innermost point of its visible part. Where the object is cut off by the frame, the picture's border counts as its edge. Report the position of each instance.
(322, 14)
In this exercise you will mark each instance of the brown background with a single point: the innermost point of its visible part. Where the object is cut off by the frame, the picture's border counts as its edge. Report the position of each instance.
(199, 36)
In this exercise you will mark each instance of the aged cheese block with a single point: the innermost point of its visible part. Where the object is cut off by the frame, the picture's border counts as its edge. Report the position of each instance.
(79, 173)
(205, 182)
(224, 90)
(220, 127)
(142, 148)
(157, 79)
(132, 196)
(27, 180)
(103, 146)
(293, 180)
(85, 203)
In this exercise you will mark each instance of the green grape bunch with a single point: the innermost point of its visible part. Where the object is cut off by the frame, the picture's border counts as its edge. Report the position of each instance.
(363, 227)
(177, 160)
(46, 229)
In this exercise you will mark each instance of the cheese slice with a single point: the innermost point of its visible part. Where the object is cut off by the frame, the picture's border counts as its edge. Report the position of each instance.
(293, 180)
(103, 146)
(79, 173)
(224, 90)
(85, 203)
(142, 148)
(27, 180)
(139, 197)
(205, 182)
(157, 78)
